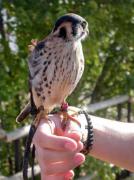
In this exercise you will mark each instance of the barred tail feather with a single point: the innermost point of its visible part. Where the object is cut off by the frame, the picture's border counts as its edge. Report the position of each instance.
(24, 113)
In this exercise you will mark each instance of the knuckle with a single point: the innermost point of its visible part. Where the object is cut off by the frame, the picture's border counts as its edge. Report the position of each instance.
(45, 156)
(48, 170)
(40, 139)
(80, 146)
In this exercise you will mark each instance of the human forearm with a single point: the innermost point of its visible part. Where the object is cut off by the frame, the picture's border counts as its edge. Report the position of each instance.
(113, 142)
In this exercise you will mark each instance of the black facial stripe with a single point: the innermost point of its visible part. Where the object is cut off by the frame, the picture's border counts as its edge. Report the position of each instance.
(74, 30)
(63, 32)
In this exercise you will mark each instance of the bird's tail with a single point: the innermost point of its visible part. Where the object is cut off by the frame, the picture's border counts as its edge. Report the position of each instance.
(24, 113)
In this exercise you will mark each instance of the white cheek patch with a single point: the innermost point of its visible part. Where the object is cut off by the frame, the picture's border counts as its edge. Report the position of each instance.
(79, 31)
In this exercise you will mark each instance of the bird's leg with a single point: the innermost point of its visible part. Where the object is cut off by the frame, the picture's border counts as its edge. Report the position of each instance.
(32, 45)
(67, 116)
(43, 114)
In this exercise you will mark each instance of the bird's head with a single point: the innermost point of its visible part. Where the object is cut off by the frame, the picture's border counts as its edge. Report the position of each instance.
(71, 27)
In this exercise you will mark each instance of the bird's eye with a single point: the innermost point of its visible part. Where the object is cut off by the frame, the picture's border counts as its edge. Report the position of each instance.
(84, 24)
(63, 32)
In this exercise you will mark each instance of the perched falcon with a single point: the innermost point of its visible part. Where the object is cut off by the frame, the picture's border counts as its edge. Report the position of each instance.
(56, 65)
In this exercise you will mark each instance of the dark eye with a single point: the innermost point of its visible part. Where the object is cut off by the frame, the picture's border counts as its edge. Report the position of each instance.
(84, 24)
(63, 32)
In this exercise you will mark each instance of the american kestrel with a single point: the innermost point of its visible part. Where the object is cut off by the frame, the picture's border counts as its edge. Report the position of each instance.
(56, 65)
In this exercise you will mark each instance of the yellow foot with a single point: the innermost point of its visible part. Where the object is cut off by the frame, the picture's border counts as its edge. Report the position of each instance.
(43, 114)
(68, 114)
(68, 117)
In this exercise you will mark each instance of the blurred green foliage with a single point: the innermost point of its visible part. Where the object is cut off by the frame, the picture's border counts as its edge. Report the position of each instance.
(109, 54)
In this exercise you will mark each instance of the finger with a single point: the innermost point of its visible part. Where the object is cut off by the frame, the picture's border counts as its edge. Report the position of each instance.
(48, 155)
(44, 127)
(65, 176)
(52, 177)
(62, 167)
(44, 138)
(69, 175)
(76, 136)
(54, 142)
(73, 135)
(48, 126)
(75, 131)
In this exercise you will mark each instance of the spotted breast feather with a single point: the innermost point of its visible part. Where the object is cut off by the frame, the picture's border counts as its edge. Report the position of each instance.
(55, 69)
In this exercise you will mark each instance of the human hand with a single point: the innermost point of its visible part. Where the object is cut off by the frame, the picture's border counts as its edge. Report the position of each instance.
(57, 154)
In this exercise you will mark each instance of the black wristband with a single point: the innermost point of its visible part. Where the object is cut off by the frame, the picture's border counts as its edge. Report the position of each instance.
(89, 142)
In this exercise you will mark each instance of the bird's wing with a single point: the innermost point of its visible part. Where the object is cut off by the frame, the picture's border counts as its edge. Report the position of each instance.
(36, 58)
(34, 67)
(35, 63)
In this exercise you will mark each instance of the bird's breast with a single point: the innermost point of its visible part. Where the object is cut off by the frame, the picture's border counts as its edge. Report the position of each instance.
(57, 79)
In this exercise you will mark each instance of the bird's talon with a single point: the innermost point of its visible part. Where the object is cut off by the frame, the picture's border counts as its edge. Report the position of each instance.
(43, 114)
(66, 117)
(71, 118)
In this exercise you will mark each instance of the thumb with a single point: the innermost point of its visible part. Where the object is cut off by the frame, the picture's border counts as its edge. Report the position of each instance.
(45, 127)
